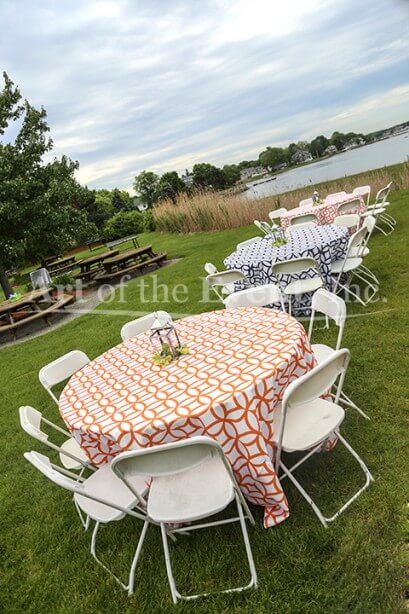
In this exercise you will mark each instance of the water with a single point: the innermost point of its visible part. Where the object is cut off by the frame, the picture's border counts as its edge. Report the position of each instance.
(376, 155)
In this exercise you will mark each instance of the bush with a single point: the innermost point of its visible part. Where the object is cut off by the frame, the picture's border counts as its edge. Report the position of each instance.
(123, 224)
(148, 221)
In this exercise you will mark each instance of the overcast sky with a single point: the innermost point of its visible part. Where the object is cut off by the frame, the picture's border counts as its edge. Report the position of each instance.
(163, 84)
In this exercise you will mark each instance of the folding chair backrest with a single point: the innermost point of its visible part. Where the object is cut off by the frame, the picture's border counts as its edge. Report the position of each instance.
(44, 466)
(295, 265)
(40, 278)
(330, 305)
(382, 195)
(277, 213)
(245, 243)
(348, 220)
(356, 239)
(210, 268)
(259, 296)
(30, 420)
(263, 226)
(306, 202)
(318, 381)
(144, 323)
(166, 459)
(352, 205)
(61, 369)
(301, 219)
(297, 227)
(363, 190)
(225, 277)
(369, 223)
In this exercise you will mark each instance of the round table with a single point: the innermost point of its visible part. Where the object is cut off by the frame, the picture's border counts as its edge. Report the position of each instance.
(327, 212)
(323, 243)
(240, 362)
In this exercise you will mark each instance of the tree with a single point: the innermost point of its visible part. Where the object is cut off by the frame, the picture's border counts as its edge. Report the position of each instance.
(231, 173)
(146, 185)
(121, 201)
(169, 186)
(99, 209)
(208, 176)
(40, 204)
(318, 145)
(272, 157)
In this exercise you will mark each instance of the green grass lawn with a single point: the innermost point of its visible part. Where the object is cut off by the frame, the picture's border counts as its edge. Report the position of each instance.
(357, 565)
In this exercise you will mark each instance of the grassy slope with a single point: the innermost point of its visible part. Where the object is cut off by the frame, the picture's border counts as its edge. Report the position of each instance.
(355, 566)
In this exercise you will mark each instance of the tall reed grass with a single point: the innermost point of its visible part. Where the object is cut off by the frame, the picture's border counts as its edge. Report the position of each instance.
(217, 211)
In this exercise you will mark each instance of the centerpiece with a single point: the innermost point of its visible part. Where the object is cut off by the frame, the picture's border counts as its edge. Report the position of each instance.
(165, 342)
(279, 236)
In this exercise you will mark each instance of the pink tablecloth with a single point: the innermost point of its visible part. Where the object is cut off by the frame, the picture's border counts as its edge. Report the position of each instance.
(327, 212)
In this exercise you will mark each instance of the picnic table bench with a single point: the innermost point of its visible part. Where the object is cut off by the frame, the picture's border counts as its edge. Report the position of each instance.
(129, 261)
(133, 238)
(14, 314)
(93, 265)
(61, 266)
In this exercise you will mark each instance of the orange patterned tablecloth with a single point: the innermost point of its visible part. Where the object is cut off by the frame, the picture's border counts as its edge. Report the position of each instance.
(240, 362)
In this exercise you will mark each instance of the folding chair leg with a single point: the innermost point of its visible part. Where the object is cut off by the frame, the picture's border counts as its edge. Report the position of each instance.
(130, 586)
(344, 400)
(253, 582)
(325, 519)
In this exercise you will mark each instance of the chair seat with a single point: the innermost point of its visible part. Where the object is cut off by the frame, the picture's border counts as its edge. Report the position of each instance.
(302, 286)
(375, 210)
(350, 265)
(321, 352)
(193, 494)
(309, 424)
(357, 251)
(75, 449)
(106, 485)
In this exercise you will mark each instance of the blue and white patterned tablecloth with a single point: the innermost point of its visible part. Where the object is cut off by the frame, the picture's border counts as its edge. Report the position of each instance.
(324, 243)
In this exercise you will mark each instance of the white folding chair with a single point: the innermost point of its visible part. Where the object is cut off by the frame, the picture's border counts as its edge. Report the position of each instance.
(144, 323)
(61, 369)
(306, 421)
(308, 277)
(306, 202)
(190, 481)
(348, 220)
(362, 250)
(352, 266)
(257, 296)
(210, 268)
(264, 227)
(102, 497)
(334, 307)
(350, 207)
(302, 219)
(276, 214)
(297, 227)
(40, 279)
(246, 243)
(72, 456)
(334, 197)
(364, 190)
(380, 207)
(222, 283)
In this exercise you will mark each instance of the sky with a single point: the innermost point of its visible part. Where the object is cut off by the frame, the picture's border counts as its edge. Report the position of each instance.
(132, 85)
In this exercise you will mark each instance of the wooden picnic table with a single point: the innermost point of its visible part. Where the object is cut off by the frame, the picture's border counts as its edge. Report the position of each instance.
(133, 238)
(57, 264)
(51, 259)
(132, 255)
(30, 299)
(14, 314)
(93, 265)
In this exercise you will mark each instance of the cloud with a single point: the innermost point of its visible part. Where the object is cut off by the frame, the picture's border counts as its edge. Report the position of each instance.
(155, 84)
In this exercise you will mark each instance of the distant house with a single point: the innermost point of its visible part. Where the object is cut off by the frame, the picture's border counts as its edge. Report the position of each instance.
(279, 167)
(330, 150)
(187, 178)
(300, 156)
(246, 173)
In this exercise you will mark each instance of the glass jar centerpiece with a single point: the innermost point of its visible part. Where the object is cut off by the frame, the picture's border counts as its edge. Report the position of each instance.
(165, 342)
(278, 235)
